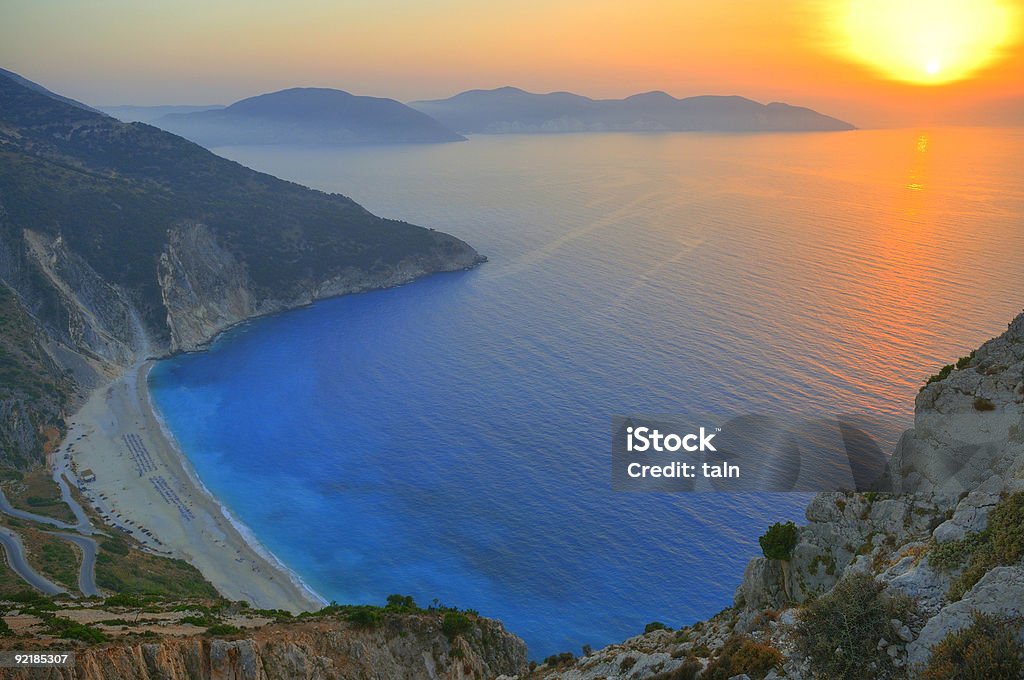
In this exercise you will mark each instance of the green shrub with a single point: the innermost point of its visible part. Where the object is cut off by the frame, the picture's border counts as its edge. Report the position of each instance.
(402, 602)
(964, 362)
(655, 625)
(223, 629)
(741, 655)
(28, 597)
(952, 554)
(72, 630)
(839, 632)
(364, 617)
(985, 650)
(779, 541)
(559, 659)
(941, 375)
(454, 624)
(1001, 543)
(200, 621)
(115, 546)
(689, 670)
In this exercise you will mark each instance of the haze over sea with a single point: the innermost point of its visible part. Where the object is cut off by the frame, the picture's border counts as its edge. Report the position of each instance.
(451, 438)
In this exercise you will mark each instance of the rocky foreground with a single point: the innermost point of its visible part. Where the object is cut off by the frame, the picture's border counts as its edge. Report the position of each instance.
(927, 582)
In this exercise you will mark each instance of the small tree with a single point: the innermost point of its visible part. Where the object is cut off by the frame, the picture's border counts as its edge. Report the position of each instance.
(779, 541)
(454, 624)
(401, 602)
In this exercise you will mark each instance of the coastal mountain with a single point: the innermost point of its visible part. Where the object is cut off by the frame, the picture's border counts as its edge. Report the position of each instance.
(511, 110)
(36, 87)
(127, 113)
(308, 116)
(121, 241)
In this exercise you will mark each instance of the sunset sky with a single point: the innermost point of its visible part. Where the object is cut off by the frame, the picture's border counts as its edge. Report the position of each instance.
(808, 52)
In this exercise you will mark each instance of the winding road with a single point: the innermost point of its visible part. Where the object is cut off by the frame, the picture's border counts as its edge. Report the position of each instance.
(87, 572)
(16, 560)
(16, 553)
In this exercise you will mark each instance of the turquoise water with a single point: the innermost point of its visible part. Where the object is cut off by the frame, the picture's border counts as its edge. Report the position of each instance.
(450, 439)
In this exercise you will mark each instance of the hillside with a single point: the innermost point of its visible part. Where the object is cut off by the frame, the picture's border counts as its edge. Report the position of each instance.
(120, 241)
(126, 638)
(319, 116)
(511, 110)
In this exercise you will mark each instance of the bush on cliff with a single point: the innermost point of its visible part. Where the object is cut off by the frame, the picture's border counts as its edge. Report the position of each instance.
(454, 624)
(840, 631)
(985, 650)
(364, 617)
(1001, 543)
(743, 656)
(779, 541)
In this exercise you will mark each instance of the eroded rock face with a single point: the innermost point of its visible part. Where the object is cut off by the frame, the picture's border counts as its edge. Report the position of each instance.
(1000, 592)
(204, 288)
(968, 427)
(409, 648)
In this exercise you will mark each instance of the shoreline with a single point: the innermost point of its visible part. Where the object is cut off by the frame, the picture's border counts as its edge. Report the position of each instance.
(146, 487)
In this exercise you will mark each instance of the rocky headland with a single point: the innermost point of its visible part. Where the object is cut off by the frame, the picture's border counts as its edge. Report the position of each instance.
(905, 583)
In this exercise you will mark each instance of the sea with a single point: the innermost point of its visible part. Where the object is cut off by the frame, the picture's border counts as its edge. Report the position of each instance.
(450, 439)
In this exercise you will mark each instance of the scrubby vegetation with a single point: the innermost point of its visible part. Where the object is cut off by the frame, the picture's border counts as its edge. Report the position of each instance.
(563, 659)
(961, 363)
(779, 541)
(36, 492)
(985, 650)
(122, 570)
(454, 624)
(689, 670)
(839, 632)
(741, 655)
(1001, 543)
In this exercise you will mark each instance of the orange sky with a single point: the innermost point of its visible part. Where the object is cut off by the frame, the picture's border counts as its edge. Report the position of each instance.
(192, 51)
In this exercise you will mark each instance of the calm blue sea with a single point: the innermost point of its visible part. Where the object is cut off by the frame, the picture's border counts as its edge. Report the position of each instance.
(450, 439)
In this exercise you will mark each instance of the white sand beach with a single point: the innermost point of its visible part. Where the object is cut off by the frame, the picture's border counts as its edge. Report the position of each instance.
(144, 486)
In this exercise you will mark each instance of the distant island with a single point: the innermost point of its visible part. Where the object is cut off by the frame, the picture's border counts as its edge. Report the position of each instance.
(512, 110)
(129, 113)
(308, 115)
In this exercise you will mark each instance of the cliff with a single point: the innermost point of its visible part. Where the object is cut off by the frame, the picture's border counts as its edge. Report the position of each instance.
(400, 647)
(924, 582)
(121, 241)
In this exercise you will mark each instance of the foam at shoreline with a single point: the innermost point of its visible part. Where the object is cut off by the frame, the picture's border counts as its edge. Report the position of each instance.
(244, 531)
(182, 517)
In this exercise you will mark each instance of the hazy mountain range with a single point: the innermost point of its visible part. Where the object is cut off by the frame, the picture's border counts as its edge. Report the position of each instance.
(511, 110)
(308, 116)
(330, 117)
(129, 113)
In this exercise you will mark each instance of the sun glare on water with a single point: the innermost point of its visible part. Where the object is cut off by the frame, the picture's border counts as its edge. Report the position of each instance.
(926, 42)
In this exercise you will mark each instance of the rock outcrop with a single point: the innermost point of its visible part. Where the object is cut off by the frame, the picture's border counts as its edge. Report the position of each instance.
(405, 648)
(963, 460)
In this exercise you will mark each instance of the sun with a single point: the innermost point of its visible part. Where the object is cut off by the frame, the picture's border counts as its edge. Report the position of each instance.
(926, 42)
